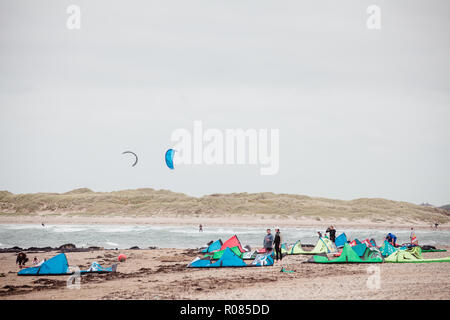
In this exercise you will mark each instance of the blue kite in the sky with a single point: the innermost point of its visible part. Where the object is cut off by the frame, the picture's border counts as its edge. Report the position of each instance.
(169, 158)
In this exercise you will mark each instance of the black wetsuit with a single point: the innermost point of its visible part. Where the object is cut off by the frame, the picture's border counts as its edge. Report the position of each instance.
(21, 259)
(277, 244)
(332, 234)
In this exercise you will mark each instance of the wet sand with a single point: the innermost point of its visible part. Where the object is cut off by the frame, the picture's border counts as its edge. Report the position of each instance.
(162, 274)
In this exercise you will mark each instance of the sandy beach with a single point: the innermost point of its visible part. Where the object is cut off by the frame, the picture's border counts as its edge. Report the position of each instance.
(162, 274)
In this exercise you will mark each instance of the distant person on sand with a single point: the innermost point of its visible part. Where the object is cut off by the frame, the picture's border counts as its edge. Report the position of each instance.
(21, 259)
(35, 261)
(320, 234)
(268, 241)
(200, 228)
(277, 244)
(413, 237)
(332, 232)
(436, 226)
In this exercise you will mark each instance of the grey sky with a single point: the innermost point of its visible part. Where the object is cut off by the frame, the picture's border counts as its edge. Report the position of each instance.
(361, 113)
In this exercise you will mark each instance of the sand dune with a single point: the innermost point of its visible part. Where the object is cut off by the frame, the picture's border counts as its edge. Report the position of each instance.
(150, 203)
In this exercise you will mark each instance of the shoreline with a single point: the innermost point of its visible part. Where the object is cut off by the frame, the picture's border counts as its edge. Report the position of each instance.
(243, 221)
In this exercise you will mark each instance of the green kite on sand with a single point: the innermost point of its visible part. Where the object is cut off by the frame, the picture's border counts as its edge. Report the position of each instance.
(348, 255)
(412, 255)
(285, 248)
(324, 245)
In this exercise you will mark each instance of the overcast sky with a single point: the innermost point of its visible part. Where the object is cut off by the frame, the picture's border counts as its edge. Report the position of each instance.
(361, 113)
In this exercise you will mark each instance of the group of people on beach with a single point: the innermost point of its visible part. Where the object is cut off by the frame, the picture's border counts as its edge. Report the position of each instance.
(392, 238)
(330, 230)
(22, 259)
(271, 242)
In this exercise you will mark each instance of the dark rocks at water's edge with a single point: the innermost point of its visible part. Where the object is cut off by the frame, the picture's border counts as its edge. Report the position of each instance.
(69, 247)
(137, 248)
(13, 249)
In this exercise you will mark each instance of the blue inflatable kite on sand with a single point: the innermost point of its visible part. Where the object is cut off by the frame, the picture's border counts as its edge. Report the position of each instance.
(169, 158)
(214, 246)
(341, 240)
(58, 265)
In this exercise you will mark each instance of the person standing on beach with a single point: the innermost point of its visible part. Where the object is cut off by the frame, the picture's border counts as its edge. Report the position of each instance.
(268, 241)
(413, 237)
(200, 228)
(332, 232)
(277, 244)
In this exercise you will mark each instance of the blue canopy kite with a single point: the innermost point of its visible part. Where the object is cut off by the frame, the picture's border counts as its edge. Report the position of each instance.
(169, 158)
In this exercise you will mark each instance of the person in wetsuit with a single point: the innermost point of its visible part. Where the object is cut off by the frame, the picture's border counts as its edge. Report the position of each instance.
(277, 244)
(21, 259)
(332, 232)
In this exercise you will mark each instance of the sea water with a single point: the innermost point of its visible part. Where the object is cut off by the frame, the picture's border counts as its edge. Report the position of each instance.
(183, 236)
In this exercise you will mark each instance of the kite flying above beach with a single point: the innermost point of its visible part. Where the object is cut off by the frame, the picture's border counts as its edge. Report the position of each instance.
(169, 158)
(131, 152)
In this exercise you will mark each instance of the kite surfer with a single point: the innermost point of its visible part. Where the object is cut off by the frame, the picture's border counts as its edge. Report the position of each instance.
(277, 244)
(332, 232)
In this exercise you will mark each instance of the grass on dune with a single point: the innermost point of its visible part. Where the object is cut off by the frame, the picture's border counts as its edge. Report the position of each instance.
(148, 202)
